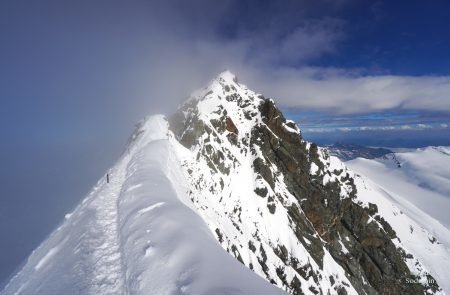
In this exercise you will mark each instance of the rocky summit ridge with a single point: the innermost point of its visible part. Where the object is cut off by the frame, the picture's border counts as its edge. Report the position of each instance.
(281, 205)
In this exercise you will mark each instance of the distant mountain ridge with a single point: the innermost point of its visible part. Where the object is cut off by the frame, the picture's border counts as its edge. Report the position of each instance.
(348, 151)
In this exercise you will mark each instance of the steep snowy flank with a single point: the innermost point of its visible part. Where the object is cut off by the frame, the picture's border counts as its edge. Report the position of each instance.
(421, 182)
(424, 239)
(422, 177)
(135, 235)
(278, 206)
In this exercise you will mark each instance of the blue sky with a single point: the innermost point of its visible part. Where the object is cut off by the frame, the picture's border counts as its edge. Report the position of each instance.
(75, 76)
(320, 122)
(387, 129)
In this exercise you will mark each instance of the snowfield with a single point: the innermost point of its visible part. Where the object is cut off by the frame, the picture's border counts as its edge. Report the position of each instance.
(136, 235)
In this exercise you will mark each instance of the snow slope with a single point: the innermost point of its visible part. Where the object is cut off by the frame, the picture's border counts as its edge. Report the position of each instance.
(136, 235)
(412, 199)
(423, 178)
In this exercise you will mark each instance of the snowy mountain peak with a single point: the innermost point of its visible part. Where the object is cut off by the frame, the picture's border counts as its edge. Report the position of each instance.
(223, 81)
(224, 104)
(229, 173)
(227, 77)
(281, 205)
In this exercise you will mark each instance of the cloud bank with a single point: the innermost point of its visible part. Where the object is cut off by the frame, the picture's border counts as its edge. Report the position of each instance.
(346, 93)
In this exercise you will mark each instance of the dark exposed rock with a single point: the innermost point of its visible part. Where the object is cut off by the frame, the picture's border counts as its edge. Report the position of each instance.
(262, 192)
(282, 275)
(314, 290)
(219, 235)
(262, 260)
(236, 254)
(282, 253)
(229, 125)
(264, 171)
(296, 286)
(271, 205)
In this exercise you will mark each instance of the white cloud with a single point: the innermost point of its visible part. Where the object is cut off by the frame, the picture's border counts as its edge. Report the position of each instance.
(405, 127)
(345, 129)
(344, 92)
(424, 126)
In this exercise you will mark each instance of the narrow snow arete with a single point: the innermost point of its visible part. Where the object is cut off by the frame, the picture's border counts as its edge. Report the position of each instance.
(228, 173)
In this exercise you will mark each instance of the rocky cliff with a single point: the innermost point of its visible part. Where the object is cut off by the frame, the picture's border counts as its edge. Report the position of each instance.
(282, 206)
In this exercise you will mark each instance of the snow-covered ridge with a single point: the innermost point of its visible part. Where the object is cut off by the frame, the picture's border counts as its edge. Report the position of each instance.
(135, 235)
(229, 172)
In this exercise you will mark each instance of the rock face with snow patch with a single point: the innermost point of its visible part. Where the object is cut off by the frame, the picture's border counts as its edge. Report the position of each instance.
(275, 203)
